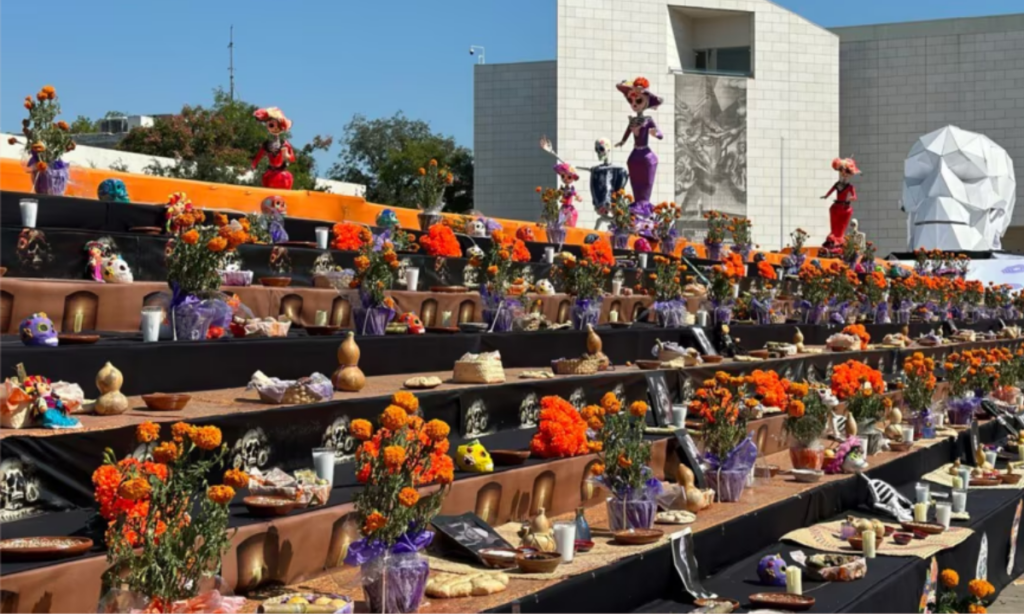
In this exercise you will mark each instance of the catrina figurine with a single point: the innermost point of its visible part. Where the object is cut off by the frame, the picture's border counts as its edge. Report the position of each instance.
(569, 197)
(841, 211)
(97, 252)
(49, 410)
(275, 208)
(279, 153)
(642, 162)
(38, 329)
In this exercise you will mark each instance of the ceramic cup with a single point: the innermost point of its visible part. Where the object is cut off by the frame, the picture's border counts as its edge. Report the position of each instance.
(939, 420)
(323, 463)
(565, 539)
(959, 501)
(152, 317)
(549, 254)
(923, 492)
(908, 434)
(322, 232)
(616, 287)
(965, 476)
(412, 279)
(29, 208)
(942, 513)
(643, 260)
(990, 457)
(678, 416)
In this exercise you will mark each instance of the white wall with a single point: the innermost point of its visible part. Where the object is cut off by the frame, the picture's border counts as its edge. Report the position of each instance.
(795, 94)
(902, 81)
(514, 105)
(101, 158)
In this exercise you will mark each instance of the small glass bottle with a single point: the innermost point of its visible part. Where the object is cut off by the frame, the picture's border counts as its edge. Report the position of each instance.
(582, 527)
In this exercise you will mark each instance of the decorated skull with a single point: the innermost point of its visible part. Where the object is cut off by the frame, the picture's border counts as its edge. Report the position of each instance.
(112, 190)
(474, 457)
(33, 248)
(387, 219)
(339, 438)
(116, 271)
(414, 323)
(19, 485)
(525, 233)
(959, 191)
(477, 228)
(274, 206)
(771, 570)
(545, 287)
(38, 329)
(252, 451)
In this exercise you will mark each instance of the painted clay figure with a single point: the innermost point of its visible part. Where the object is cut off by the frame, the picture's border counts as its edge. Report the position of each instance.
(569, 196)
(642, 163)
(279, 153)
(841, 210)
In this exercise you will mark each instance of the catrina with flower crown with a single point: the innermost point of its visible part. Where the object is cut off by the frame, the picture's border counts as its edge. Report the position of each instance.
(277, 151)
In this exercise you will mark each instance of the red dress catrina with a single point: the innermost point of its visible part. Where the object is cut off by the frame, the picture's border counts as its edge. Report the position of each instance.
(277, 151)
(841, 210)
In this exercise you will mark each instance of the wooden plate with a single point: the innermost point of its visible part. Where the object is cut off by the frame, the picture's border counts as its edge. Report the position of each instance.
(900, 446)
(509, 458)
(269, 506)
(159, 401)
(43, 548)
(276, 282)
(449, 289)
(762, 354)
(637, 537)
(498, 558)
(1009, 478)
(76, 339)
(782, 601)
(147, 230)
(712, 359)
(538, 562)
(986, 481)
(648, 365)
(928, 528)
(311, 244)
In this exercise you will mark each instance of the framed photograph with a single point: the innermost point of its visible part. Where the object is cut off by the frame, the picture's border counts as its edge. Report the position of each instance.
(662, 397)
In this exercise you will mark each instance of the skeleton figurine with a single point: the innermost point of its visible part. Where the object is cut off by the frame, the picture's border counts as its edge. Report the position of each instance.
(886, 499)
(471, 274)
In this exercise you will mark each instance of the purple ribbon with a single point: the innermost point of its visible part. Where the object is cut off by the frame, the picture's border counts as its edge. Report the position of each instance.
(740, 458)
(365, 550)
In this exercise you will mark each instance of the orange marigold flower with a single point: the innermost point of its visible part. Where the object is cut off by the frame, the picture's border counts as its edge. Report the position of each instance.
(41, 166)
(236, 478)
(181, 430)
(394, 456)
(980, 588)
(611, 403)
(217, 244)
(134, 489)
(374, 521)
(147, 432)
(437, 430)
(206, 437)
(191, 237)
(976, 608)
(166, 452)
(950, 578)
(361, 429)
(597, 469)
(394, 418)
(220, 494)
(406, 400)
(796, 408)
(408, 496)
(364, 473)
(595, 446)
(638, 409)
(38, 147)
(624, 462)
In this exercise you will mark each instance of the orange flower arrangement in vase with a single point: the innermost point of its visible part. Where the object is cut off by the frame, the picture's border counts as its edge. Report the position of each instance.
(346, 236)
(404, 453)
(562, 431)
(863, 390)
(770, 389)
(721, 402)
(858, 331)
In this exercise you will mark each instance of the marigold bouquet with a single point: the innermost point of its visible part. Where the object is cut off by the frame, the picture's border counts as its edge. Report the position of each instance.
(874, 287)
(718, 223)
(799, 238)
(431, 183)
(807, 415)
(506, 251)
(562, 431)
(858, 331)
(149, 506)
(719, 403)
(181, 214)
(979, 592)
(584, 278)
(551, 207)
(815, 283)
(197, 255)
(620, 213)
(665, 217)
(46, 138)
(375, 269)
(619, 441)
(347, 236)
(739, 227)
(667, 279)
(725, 276)
(440, 242)
(770, 389)
(918, 381)
(862, 388)
(971, 371)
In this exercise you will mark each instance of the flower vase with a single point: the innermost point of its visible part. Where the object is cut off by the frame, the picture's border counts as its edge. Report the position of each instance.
(961, 411)
(192, 319)
(373, 320)
(500, 319)
(722, 314)
(815, 314)
(882, 313)
(807, 456)
(743, 250)
(52, 181)
(428, 219)
(638, 513)
(761, 311)
(714, 250)
(668, 246)
(556, 234)
(727, 484)
(582, 526)
(585, 311)
(620, 240)
(868, 431)
(670, 314)
(395, 583)
(924, 425)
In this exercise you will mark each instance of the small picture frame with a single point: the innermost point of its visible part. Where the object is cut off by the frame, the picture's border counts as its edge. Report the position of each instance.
(464, 536)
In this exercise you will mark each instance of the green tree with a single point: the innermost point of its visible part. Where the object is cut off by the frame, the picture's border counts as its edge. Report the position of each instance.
(384, 154)
(217, 144)
(82, 125)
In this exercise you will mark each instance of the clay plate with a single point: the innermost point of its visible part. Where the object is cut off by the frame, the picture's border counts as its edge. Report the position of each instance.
(712, 359)
(146, 230)
(1009, 478)
(928, 528)
(583, 545)
(159, 401)
(322, 331)
(299, 244)
(43, 548)
(900, 446)
(76, 339)
(445, 330)
(763, 354)
(498, 558)
(648, 365)
(508, 458)
(637, 537)
(538, 562)
(769, 471)
(806, 476)
(269, 506)
(986, 481)
(705, 603)
(782, 601)
(449, 289)
(276, 282)
(857, 542)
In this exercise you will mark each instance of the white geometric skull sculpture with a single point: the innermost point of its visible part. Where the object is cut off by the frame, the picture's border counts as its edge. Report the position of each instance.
(959, 191)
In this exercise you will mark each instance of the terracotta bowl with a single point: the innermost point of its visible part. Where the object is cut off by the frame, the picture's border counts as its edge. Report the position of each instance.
(276, 282)
(900, 446)
(857, 542)
(637, 537)
(498, 558)
(710, 359)
(758, 353)
(1009, 478)
(782, 601)
(889, 530)
(648, 365)
(902, 538)
(269, 506)
(43, 548)
(919, 534)
(769, 471)
(538, 562)
(583, 545)
(159, 401)
(928, 528)
(76, 339)
(509, 458)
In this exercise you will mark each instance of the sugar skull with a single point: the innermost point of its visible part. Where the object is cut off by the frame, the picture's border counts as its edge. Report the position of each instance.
(603, 149)
(38, 329)
(116, 271)
(280, 261)
(545, 287)
(771, 570)
(959, 191)
(474, 457)
(477, 228)
(413, 322)
(274, 206)
(387, 219)
(525, 233)
(112, 190)
(19, 486)
(591, 238)
(641, 245)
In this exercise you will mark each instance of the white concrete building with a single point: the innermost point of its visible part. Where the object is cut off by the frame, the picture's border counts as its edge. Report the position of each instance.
(901, 81)
(750, 117)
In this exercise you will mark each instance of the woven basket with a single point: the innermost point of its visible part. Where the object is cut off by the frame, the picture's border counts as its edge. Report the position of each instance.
(587, 365)
(482, 372)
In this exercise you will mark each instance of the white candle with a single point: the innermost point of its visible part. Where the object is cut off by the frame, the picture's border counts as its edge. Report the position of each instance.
(321, 317)
(920, 512)
(323, 463)
(29, 208)
(794, 580)
(959, 501)
(549, 255)
(616, 287)
(412, 279)
(613, 316)
(923, 493)
(957, 482)
(565, 538)
(942, 513)
(79, 316)
(908, 434)
(869, 544)
(321, 236)
(643, 260)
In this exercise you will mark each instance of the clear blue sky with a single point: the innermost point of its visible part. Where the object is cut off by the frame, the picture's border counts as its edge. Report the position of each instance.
(320, 61)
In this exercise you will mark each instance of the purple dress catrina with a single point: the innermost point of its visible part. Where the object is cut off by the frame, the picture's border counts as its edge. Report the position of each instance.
(642, 163)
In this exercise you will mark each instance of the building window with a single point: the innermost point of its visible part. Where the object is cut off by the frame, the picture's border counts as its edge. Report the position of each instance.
(724, 61)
